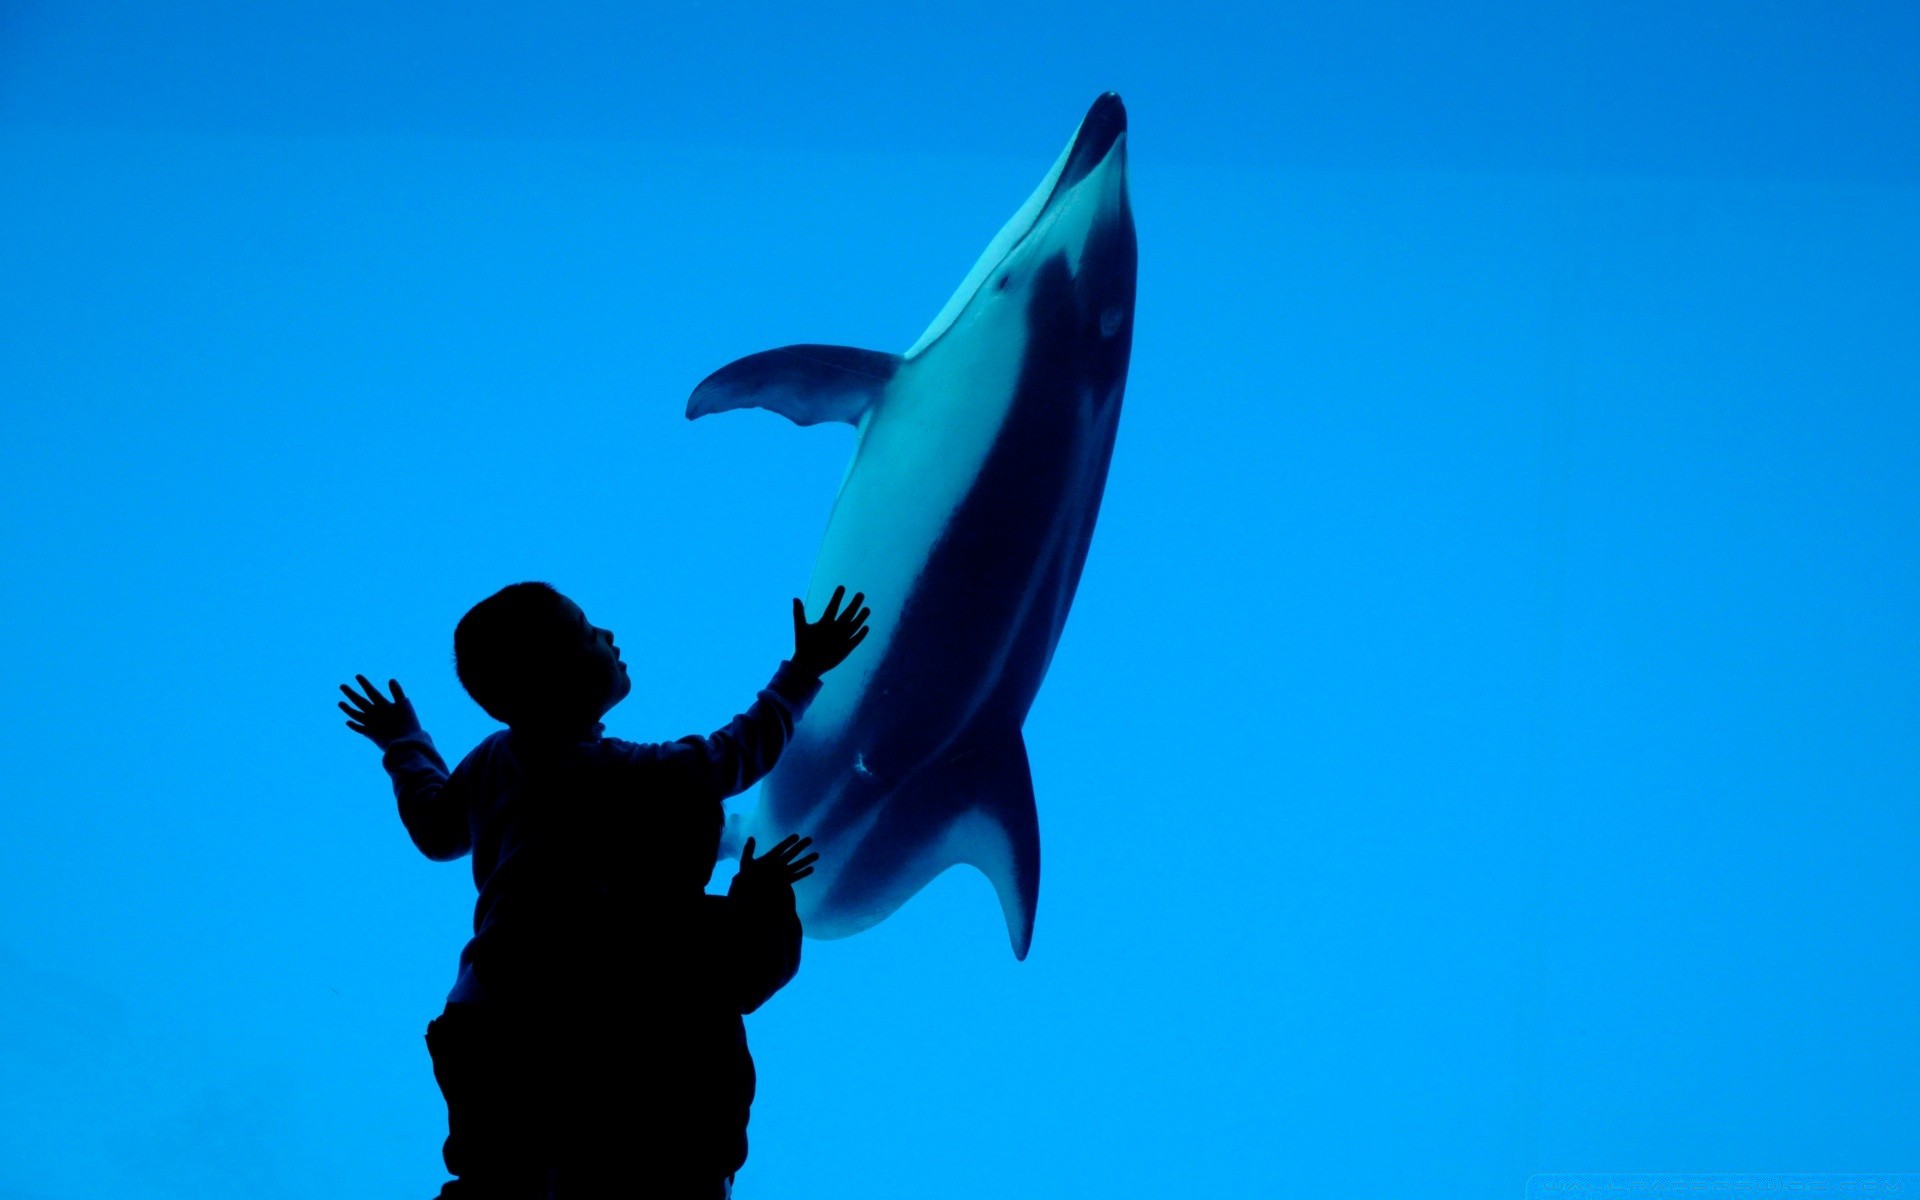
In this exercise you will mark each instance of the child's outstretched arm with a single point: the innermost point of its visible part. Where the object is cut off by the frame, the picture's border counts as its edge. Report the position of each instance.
(434, 814)
(735, 758)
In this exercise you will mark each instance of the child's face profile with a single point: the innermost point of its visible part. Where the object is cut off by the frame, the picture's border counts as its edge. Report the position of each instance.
(597, 645)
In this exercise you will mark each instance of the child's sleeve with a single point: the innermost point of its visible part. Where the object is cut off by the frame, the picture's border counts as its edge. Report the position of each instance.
(739, 756)
(432, 805)
(757, 934)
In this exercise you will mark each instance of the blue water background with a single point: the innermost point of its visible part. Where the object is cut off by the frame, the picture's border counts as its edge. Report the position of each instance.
(1486, 738)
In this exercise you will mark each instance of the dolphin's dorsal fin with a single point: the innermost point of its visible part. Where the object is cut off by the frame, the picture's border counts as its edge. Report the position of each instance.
(978, 804)
(806, 384)
(997, 830)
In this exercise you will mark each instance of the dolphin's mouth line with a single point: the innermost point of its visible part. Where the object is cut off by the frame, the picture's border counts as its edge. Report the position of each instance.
(1051, 208)
(1101, 132)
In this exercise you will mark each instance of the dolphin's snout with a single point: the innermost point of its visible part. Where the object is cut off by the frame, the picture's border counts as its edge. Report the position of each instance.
(1104, 124)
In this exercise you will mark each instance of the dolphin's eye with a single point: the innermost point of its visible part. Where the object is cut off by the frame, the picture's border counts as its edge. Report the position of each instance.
(1003, 282)
(1110, 321)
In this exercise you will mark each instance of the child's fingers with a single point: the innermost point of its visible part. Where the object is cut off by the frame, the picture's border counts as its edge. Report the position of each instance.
(853, 621)
(746, 853)
(356, 727)
(808, 861)
(856, 639)
(354, 696)
(399, 697)
(373, 693)
(833, 605)
(797, 876)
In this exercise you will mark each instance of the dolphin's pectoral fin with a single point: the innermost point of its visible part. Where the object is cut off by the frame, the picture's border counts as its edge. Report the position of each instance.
(806, 384)
(995, 828)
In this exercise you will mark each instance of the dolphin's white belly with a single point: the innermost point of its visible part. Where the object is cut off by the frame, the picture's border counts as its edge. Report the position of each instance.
(919, 453)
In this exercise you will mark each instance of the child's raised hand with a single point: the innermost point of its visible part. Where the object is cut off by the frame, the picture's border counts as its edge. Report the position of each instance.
(821, 646)
(376, 718)
(781, 866)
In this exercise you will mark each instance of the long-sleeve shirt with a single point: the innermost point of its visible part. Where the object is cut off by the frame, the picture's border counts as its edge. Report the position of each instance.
(555, 828)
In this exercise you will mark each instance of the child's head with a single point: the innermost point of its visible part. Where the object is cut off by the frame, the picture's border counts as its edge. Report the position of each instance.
(530, 657)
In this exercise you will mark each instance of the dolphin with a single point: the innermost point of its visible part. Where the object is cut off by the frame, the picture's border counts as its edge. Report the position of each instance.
(965, 517)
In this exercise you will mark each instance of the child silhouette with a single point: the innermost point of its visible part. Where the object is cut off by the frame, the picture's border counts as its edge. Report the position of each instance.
(594, 943)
